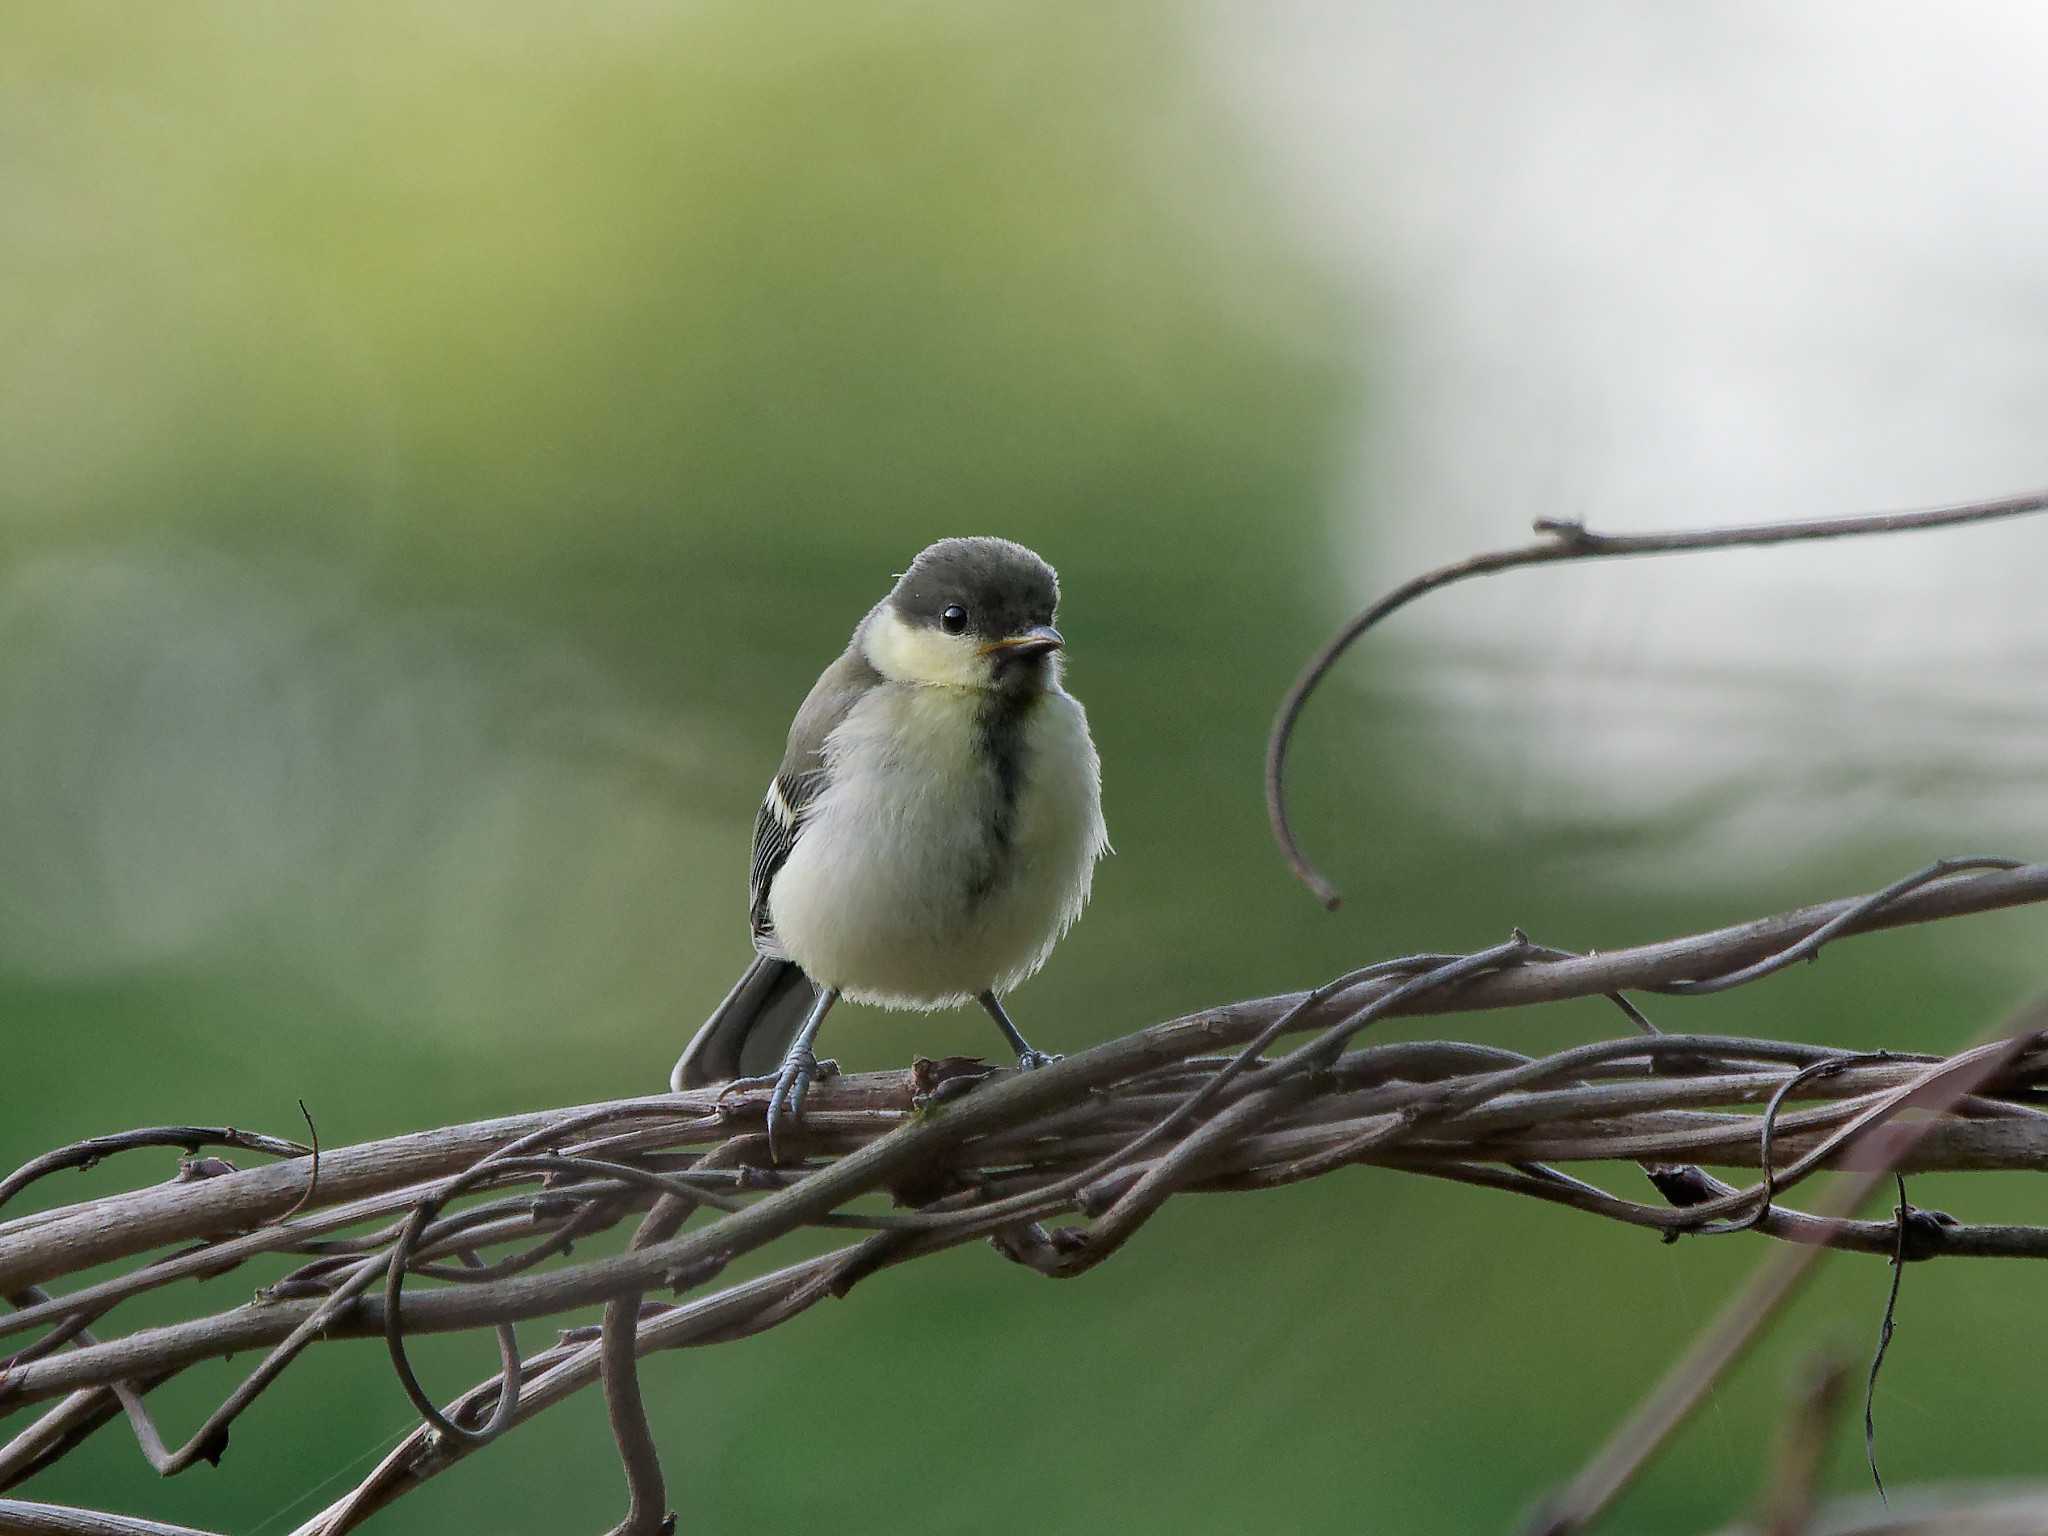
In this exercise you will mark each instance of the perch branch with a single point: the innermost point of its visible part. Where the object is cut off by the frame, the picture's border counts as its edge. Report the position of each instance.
(1744, 1317)
(1098, 1141)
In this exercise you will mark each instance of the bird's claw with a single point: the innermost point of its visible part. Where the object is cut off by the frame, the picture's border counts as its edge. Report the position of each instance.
(1031, 1061)
(786, 1103)
(788, 1086)
(747, 1085)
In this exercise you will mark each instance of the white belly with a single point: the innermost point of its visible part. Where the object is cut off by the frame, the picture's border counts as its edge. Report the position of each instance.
(896, 892)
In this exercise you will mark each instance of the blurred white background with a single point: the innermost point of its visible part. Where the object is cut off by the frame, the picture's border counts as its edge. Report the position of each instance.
(1666, 266)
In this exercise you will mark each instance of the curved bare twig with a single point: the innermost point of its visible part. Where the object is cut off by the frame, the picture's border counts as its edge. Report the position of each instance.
(1563, 541)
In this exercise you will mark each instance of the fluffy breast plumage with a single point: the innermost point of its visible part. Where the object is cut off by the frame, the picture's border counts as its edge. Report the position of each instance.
(954, 845)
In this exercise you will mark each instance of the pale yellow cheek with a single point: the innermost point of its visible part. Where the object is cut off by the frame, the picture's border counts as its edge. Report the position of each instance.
(906, 653)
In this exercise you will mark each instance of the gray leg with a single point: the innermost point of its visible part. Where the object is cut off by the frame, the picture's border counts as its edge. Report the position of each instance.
(793, 1079)
(1027, 1059)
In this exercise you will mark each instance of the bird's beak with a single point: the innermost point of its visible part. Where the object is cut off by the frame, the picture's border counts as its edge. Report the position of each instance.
(1032, 642)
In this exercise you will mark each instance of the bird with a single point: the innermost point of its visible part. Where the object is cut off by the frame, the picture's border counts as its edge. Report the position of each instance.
(932, 831)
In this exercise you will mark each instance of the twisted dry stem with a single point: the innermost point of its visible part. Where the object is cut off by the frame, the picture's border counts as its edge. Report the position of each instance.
(1056, 1168)
(1559, 542)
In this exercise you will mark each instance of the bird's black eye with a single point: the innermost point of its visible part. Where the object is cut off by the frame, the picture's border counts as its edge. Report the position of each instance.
(954, 620)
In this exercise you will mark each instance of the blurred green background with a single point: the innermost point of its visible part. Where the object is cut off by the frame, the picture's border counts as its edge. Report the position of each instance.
(441, 445)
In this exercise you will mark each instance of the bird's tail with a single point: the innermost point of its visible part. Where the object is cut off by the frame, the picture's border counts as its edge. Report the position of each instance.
(748, 1032)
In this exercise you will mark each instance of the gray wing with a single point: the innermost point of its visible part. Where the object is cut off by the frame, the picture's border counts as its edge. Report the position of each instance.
(775, 834)
(799, 781)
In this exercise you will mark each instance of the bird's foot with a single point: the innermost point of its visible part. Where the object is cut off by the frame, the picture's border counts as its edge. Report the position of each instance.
(1030, 1061)
(788, 1086)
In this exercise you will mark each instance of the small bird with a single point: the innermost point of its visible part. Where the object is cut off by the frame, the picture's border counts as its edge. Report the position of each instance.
(933, 828)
